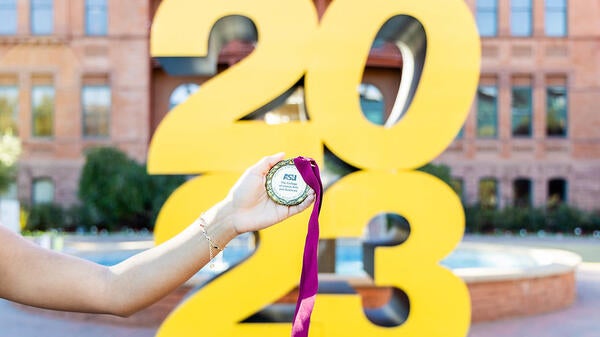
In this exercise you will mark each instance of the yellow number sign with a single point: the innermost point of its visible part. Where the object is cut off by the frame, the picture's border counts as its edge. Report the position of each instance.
(205, 135)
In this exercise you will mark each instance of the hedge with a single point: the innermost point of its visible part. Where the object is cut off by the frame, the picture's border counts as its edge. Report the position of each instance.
(560, 219)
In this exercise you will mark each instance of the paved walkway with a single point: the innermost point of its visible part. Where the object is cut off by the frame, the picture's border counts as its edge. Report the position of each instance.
(580, 320)
(17, 323)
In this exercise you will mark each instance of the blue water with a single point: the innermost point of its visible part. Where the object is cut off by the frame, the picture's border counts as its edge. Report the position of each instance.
(349, 258)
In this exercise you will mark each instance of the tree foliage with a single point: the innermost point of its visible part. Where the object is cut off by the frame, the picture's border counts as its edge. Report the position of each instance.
(441, 171)
(116, 191)
(560, 219)
(10, 149)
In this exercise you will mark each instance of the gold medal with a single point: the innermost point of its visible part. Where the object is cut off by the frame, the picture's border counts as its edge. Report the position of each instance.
(285, 185)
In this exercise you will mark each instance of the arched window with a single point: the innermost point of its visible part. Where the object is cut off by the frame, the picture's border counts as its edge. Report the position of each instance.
(371, 103)
(181, 93)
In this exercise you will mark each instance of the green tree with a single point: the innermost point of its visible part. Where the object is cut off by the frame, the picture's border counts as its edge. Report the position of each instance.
(10, 149)
(117, 192)
(443, 172)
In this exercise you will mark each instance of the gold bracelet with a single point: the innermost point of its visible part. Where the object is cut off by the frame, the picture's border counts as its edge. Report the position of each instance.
(211, 243)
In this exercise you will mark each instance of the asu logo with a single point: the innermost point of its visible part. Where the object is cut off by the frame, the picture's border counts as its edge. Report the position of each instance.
(289, 176)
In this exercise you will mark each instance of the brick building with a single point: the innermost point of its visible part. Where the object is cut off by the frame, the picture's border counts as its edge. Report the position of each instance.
(76, 74)
(73, 74)
(533, 135)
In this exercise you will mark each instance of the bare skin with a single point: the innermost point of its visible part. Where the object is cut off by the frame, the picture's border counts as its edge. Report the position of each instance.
(39, 277)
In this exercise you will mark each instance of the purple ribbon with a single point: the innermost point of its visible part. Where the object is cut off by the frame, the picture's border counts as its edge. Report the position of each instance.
(309, 280)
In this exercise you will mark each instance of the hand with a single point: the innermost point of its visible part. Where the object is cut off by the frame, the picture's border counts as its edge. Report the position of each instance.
(251, 207)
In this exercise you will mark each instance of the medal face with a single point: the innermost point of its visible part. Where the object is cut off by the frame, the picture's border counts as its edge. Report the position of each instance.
(285, 184)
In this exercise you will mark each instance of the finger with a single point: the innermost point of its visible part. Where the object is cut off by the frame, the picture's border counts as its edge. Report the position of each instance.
(275, 158)
(263, 166)
(302, 206)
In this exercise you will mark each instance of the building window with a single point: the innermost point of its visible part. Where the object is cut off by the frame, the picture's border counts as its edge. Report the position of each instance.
(487, 111)
(488, 193)
(521, 111)
(96, 17)
(289, 110)
(556, 111)
(520, 18)
(42, 110)
(557, 192)
(96, 101)
(8, 17)
(42, 191)
(487, 17)
(522, 192)
(9, 97)
(556, 18)
(181, 94)
(371, 103)
(42, 17)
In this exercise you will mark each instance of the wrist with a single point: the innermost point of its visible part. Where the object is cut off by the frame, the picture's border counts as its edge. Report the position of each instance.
(220, 222)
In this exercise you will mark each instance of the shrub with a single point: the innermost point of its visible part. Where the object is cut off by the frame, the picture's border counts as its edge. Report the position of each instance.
(45, 216)
(481, 219)
(79, 217)
(441, 171)
(516, 218)
(566, 218)
(116, 191)
(561, 219)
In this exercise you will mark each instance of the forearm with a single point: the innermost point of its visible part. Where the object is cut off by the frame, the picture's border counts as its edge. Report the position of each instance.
(43, 278)
(39, 277)
(144, 278)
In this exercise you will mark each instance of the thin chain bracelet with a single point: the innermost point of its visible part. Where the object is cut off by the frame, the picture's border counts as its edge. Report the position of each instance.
(211, 243)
